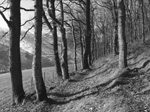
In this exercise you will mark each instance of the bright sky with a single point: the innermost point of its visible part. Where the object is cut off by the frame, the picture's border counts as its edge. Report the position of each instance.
(28, 4)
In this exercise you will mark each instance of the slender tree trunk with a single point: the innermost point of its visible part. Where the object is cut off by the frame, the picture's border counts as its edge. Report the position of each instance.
(81, 44)
(93, 48)
(104, 45)
(121, 35)
(64, 61)
(14, 53)
(115, 28)
(36, 66)
(90, 56)
(55, 42)
(143, 21)
(75, 47)
(88, 37)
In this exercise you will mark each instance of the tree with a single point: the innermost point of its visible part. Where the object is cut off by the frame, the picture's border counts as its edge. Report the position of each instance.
(75, 45)
(15, 60)
(87, 37)
(115, 31)
(143, 21)
(121, 35)
(14, 52)
(64, 55)
(55, 40)
(36, 65)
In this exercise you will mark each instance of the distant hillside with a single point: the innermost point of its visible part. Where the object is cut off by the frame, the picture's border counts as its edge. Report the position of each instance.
(27, 50)
(27, 43)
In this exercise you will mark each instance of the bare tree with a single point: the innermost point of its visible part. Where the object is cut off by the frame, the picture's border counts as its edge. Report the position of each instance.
(143, 21)
(87, 37)
(121, 35)
(36, 65)
(75, 45)
(115, 27)
(55, 39)
(14, 51)
(64, 56)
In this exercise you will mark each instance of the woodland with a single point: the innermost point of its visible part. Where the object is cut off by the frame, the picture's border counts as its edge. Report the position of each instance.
(98, 50)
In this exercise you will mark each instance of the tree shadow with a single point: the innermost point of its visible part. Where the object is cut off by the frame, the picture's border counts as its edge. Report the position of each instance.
(99, 73)
(144, 65)
(58, 102)
(51, 101)
(137, 62)
(124, 79)
(136, 54)
(67, 94)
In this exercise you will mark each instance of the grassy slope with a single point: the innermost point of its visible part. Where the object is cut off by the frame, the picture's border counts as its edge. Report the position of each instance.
(5, 86)
(81, 95)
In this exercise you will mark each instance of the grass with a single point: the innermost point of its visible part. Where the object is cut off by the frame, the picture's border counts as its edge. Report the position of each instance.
(5, 85)
(49, 77)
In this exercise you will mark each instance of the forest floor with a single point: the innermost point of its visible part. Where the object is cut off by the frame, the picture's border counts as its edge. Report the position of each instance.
(91, 91)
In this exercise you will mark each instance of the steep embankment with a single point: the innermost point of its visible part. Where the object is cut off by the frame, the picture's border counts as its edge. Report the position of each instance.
(91, 93)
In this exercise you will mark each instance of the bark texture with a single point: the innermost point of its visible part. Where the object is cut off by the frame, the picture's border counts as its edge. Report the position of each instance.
(75, 46)
(64, 55)
(88, 37)
(14, 52)
(121, 35)
(55, 41)
(36, 67)
(115, 27)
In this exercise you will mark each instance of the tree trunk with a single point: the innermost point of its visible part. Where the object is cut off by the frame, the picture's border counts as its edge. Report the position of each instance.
(81, 44)
(64, 57)
(121, 35)
(143, 21)
(115, 28)
(55, 42)
(75, 47)
(36, 65)
(88, 37)
(14, 52)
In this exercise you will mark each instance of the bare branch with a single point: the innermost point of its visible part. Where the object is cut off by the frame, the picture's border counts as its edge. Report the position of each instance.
(26, 9)
(106, 5)
(4, 8)
(71, 13)
(46, 21)
(51, 15)
(5, 19)
(78, 3)
(27, 21)
(3, 2)
(67, 23)
(4, 35)
(26, 33)
(22, 8)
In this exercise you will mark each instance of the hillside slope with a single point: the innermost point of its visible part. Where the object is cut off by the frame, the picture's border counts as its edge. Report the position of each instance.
(89, 91)
(26, 45)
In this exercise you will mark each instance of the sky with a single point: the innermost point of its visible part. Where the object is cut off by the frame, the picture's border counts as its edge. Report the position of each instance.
(28, 4)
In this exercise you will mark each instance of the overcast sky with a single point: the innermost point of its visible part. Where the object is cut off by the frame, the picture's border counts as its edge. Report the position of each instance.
(24, 15)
